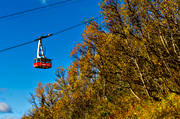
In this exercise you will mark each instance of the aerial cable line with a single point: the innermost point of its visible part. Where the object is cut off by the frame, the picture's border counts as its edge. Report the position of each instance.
(35, 9)
(51, 34)
(77, 25)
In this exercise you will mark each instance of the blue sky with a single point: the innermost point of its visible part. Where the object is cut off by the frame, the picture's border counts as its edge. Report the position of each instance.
(18, 78)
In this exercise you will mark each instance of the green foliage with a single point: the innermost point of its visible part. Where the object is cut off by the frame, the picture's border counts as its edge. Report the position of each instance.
(128, 69)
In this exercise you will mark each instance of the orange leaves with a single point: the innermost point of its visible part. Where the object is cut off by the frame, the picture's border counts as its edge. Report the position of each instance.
(91, 29)
(39, 90)
(74, 51)
(119, 64)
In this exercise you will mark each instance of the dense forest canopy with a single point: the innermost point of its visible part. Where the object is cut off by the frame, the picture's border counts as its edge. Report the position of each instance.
(128, 67)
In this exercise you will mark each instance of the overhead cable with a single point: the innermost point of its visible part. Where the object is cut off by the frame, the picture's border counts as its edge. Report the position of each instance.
(49, 35)
(35, 9)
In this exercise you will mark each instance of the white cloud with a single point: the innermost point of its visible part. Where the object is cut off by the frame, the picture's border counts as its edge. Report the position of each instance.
(5, 108)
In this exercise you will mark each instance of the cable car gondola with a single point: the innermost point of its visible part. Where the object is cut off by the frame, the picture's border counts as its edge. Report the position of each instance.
(41, 61)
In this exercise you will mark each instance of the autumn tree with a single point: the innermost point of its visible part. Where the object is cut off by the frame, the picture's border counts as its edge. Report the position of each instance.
(130, 62)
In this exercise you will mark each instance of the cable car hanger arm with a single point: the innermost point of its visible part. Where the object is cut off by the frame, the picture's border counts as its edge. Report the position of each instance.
(42, 37)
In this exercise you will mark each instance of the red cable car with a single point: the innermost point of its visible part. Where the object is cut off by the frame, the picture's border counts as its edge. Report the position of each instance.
(41, 61)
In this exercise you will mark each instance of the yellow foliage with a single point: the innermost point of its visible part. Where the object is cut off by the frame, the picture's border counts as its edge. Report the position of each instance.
(128, 69)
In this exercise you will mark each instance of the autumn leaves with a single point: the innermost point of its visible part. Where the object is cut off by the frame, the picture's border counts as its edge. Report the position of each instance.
(134, 58)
